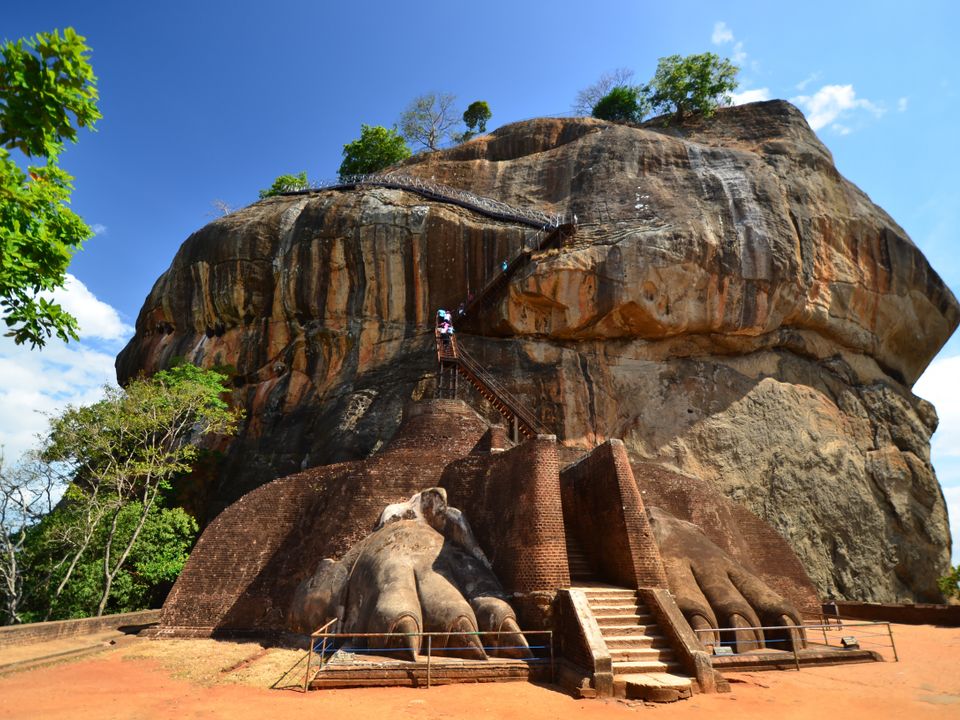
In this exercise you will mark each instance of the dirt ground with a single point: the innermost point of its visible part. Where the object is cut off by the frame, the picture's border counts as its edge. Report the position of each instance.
(145, 680)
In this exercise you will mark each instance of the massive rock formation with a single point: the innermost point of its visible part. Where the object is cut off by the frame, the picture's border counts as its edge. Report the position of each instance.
(729, 305)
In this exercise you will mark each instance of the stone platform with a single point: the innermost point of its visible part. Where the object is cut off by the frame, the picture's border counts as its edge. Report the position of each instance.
(379, 671)
(813, 655)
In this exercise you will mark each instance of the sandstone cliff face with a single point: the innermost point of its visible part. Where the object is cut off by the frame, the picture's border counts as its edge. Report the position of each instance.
(729, 305)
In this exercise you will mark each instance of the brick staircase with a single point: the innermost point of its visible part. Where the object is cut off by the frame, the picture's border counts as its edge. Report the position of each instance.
(580, 568)
(642, 662)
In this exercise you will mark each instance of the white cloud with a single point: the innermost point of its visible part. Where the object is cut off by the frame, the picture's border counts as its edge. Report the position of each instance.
(99, 229)
(902, 104)
(38, 382)
(832, 102)
(95, 317)
(939, 384)
(721, 33)
(738, 54)
(840, 129)
(951, 494)
(801, 86)
(749, 96)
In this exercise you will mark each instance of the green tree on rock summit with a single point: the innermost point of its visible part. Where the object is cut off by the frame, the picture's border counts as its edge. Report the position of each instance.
(681, 86)
(376, 148)
(429, 120)
(475, 117)
(622, 104)
(47, 92)
(692, 84)
(286, 183)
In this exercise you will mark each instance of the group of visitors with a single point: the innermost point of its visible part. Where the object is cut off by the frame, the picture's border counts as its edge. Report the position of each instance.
(445, 319)
(444, 325)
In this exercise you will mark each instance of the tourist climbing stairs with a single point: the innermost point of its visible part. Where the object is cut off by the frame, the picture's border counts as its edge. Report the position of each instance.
(543, 239)
(642, 661)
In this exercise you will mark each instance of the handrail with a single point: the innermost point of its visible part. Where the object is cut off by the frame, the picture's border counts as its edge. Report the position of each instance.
(505, 396)
(539, 241)
(319, 631)
(323, 627)
(833, 627)
(437, 191)
(429, 637)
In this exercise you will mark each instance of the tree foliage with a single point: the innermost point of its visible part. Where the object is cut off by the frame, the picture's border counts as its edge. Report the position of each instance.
(588, 98)
(692, 84)
(475, 117)
(429, 119)
(47, 92)
(26, 496)
(110, 539)
(376, 148)
(950, 583)
(621, 104)
(156, 558)
(286, 183)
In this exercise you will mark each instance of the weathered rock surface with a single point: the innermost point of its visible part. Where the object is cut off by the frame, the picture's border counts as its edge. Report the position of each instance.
(730, 306)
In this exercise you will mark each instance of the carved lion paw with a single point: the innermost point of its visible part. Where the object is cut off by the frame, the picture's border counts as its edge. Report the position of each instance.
(419, 571)
(714, 591)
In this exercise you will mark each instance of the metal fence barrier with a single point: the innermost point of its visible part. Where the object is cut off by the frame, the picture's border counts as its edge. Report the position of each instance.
(341, 648)
(832, 629)
(437, 191)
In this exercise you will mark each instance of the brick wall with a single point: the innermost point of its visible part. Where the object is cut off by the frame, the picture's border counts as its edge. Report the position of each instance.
(910, 614)
(602, 506)
(243, 571)
(512, 500)
(744, 536)
(56, 629)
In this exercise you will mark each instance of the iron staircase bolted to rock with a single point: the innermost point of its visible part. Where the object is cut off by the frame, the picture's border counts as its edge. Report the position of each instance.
(453, 361)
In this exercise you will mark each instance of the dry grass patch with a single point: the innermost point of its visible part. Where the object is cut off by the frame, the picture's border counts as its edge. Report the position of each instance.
(220, 662)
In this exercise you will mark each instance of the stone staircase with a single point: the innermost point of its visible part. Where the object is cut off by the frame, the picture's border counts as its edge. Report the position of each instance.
(642, 661)
(580, 568)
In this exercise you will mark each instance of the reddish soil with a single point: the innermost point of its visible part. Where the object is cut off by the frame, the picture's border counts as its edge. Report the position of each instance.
(925, 683)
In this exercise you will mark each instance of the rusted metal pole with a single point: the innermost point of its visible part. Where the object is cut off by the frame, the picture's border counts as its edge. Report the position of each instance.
(306, 673)
(893, 645)
(429, 648)
(553, 668)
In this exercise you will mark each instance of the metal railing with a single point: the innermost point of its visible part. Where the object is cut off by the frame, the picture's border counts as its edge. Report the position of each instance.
(437, 191)
(513, 403)
(788, 634)
(330, 646)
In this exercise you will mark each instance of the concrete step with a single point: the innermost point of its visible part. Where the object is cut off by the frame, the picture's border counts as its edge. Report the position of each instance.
(641, 655)
(615, 629)
(623, 619)
(631, 609)
(607, 590)
(611, 597)
(623, 667)
(652, 687)
(640, 640)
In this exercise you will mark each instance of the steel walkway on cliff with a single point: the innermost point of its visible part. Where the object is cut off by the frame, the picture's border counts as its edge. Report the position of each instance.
(443, 193)
(453, 360)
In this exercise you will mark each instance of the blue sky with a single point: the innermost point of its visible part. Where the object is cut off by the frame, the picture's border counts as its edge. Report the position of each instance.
(211, 100)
